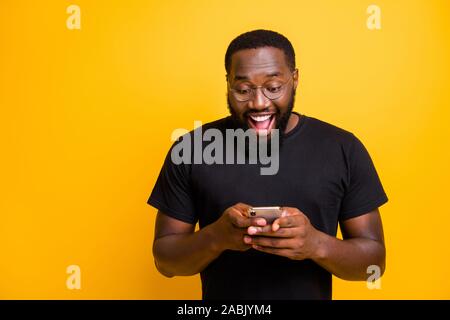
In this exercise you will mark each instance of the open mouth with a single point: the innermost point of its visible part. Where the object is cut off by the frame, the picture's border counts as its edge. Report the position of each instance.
(262, 123)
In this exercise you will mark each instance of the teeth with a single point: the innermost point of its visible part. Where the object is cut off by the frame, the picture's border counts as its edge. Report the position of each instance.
(260, 118)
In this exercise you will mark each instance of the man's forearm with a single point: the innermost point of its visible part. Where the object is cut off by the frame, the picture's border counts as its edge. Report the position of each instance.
(185, 254)
(348, 259)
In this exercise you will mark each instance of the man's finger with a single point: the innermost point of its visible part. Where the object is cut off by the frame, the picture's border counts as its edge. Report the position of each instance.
(269, 242)
(259, 230)
(243, 222)
(289, 221)
(281, 222)
(242, 208)
(285, 212)
(268, 232)
(289, 211)
(238, 220)
(261, 222)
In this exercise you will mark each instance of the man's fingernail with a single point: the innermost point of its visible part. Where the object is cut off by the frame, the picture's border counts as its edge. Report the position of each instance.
(247, 239)
(261, 222)
(252, 230)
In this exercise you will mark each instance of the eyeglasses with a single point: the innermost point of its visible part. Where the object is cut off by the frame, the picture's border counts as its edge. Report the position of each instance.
(271, 91)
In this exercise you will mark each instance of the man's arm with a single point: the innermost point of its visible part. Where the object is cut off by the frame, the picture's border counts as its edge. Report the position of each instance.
(363, 245)
(179, 251)
(294, 237)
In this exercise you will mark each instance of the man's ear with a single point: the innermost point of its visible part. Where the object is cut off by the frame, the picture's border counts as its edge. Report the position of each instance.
(226, 77)
(296, 77)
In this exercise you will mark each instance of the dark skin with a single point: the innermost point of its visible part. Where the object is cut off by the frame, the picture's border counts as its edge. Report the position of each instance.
(257, 67)
(179, 250)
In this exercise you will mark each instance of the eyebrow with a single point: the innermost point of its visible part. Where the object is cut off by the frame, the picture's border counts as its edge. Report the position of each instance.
(269, 75)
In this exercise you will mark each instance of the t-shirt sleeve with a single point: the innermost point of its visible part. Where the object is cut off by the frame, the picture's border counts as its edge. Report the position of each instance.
(172, 193)
(364, 191)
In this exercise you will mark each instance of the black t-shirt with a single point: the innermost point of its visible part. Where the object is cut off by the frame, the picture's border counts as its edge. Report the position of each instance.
(324, 171)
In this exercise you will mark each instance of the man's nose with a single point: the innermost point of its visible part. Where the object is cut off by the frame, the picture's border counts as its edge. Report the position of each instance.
(259, 100)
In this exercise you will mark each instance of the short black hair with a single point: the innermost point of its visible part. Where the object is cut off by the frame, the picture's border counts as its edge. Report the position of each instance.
(257, 39)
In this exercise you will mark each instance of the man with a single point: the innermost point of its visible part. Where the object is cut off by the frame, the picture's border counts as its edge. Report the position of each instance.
(325, 177)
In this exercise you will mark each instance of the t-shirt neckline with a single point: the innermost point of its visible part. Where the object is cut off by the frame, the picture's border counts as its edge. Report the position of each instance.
(299, 125)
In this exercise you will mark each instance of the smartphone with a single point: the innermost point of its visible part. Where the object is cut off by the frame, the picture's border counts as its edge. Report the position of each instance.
(268, 213)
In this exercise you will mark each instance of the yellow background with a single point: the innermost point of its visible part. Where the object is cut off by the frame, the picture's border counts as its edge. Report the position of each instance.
(86, 118)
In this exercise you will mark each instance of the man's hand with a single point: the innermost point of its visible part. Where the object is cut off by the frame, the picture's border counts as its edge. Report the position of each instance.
(229, 230)
(291, 236)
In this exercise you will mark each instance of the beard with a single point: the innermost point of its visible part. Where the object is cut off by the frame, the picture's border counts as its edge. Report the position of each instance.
(281, 122)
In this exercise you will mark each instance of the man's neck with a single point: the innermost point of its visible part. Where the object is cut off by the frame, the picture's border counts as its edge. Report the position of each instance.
(292, 122)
